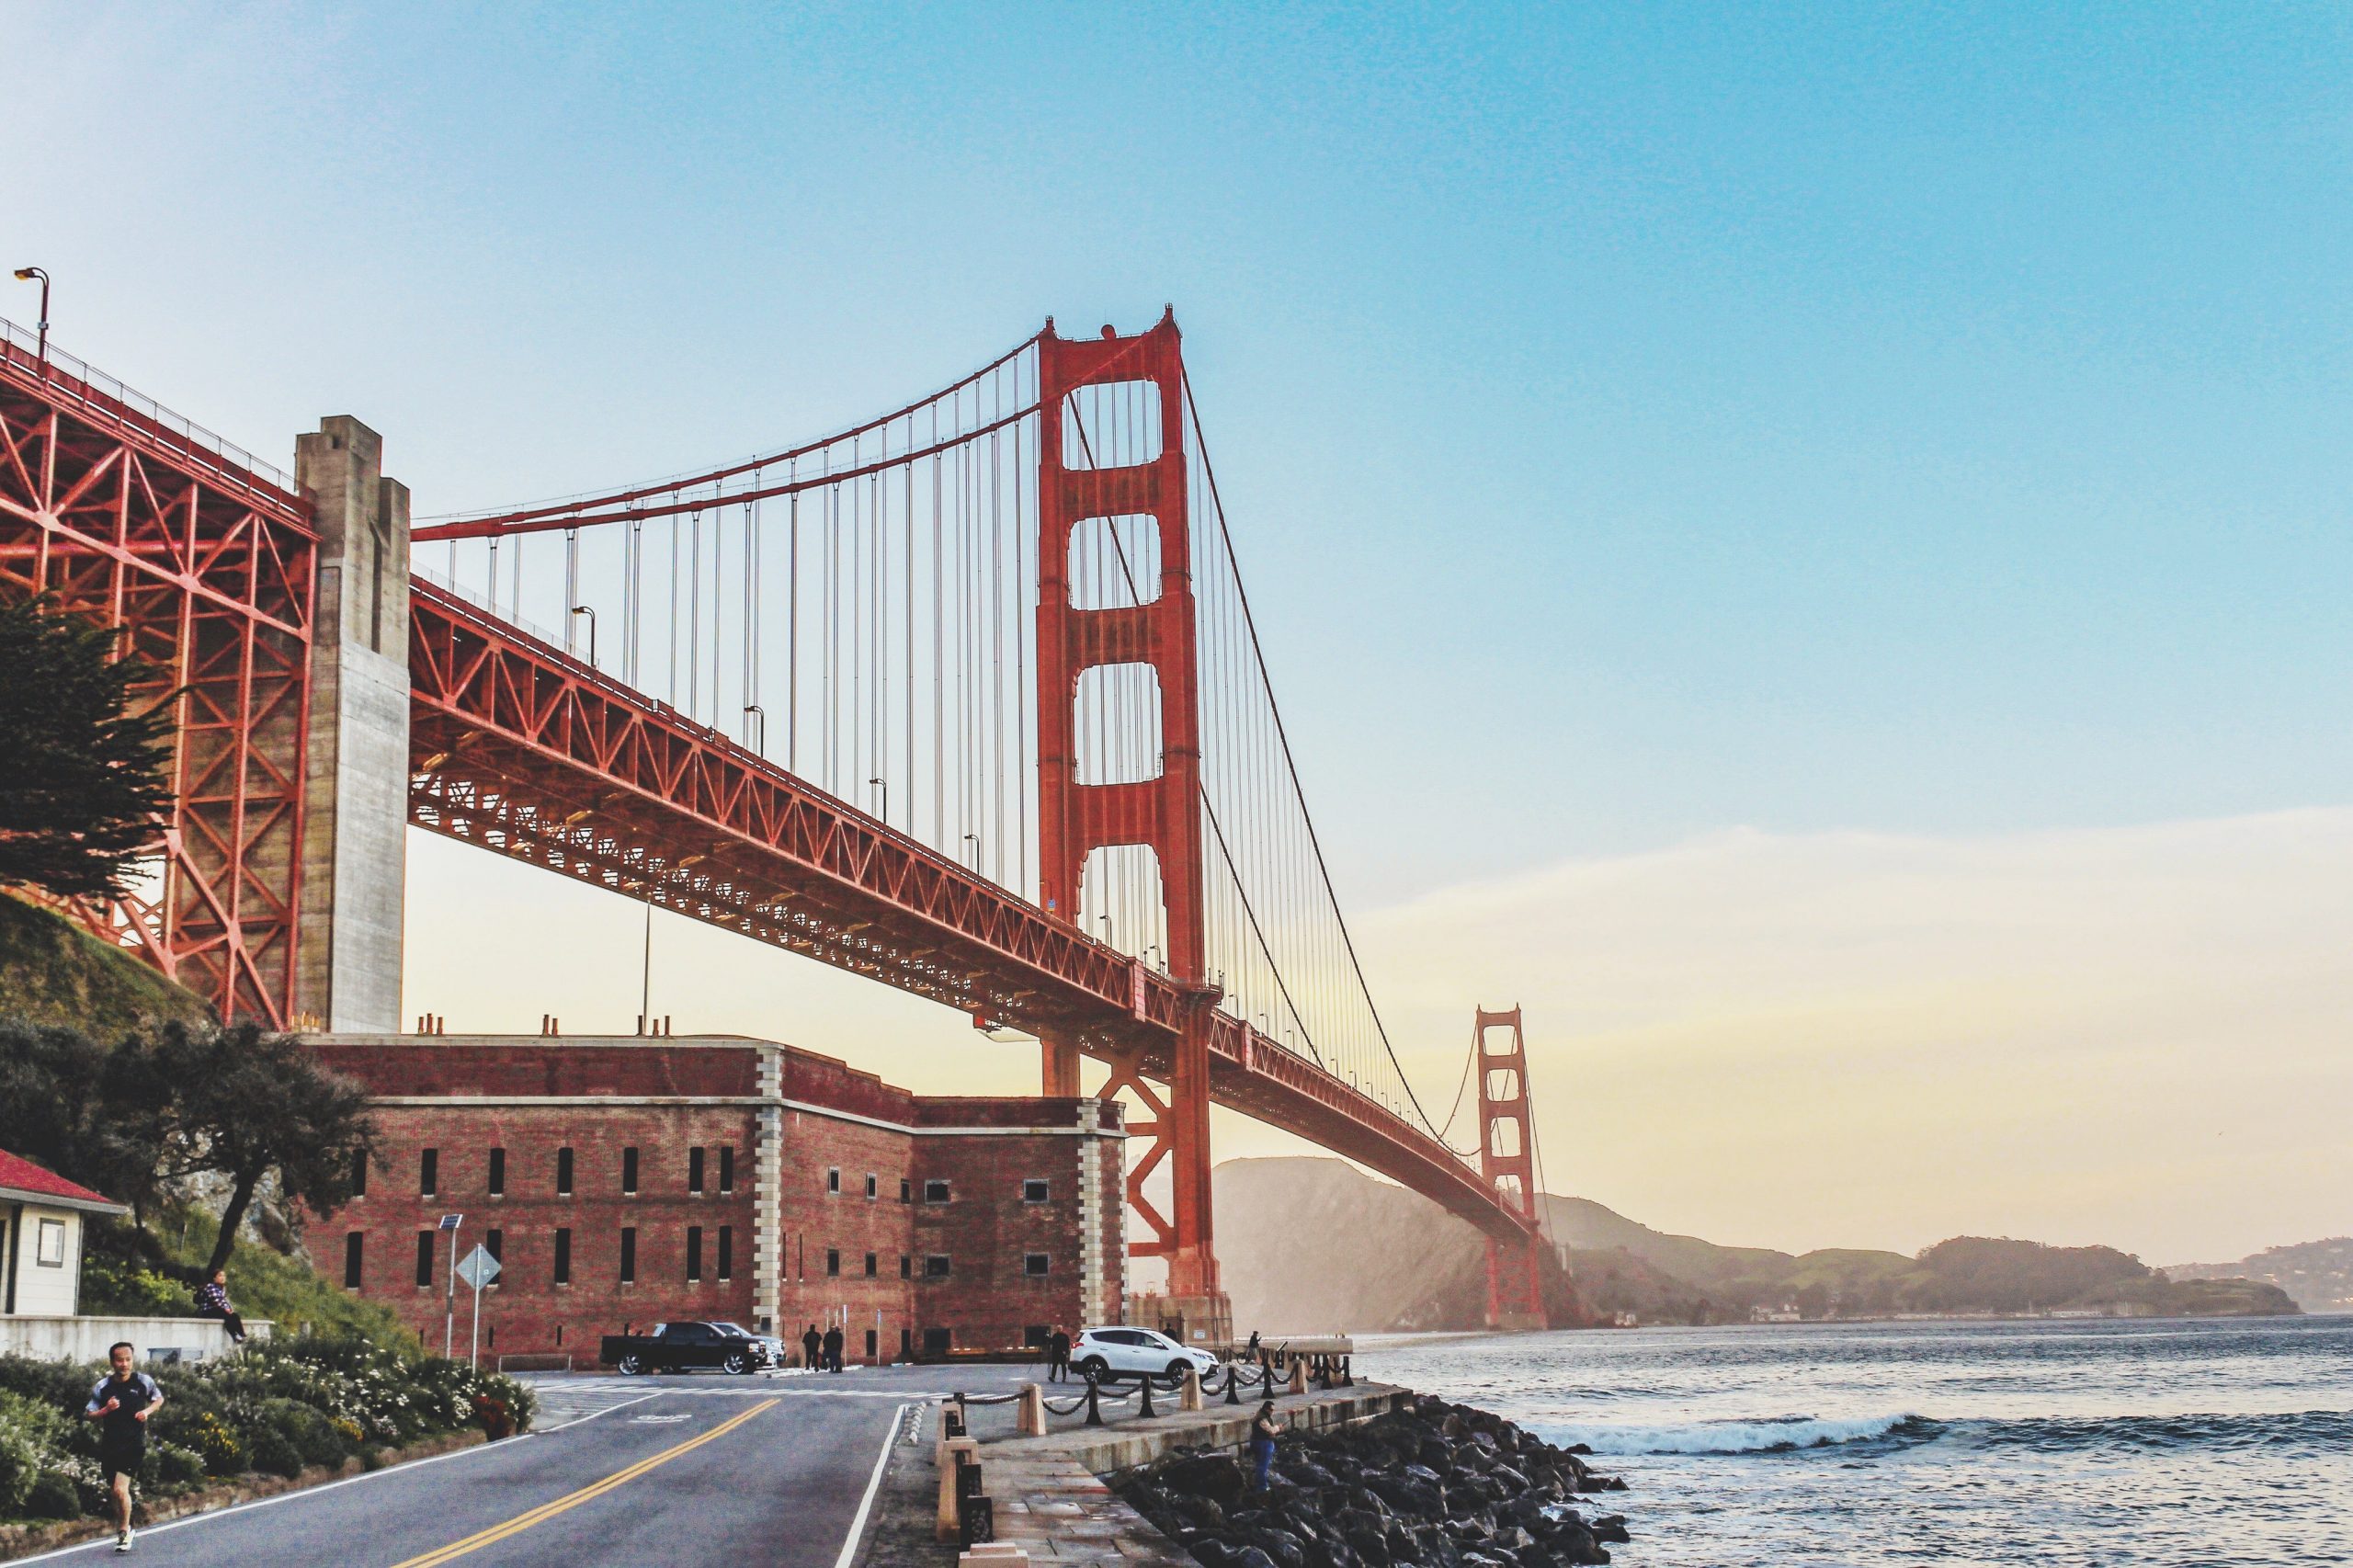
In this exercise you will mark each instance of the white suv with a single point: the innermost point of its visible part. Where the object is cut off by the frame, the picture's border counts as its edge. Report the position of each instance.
(1112, 1353)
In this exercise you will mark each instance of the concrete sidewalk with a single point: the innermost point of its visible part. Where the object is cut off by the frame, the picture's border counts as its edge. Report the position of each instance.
(1051, 1500)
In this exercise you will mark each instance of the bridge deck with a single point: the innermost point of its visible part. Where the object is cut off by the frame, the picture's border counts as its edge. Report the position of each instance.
(521, 749)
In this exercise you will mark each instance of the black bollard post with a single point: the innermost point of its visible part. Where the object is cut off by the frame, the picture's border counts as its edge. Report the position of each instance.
(1093, 1411)
(1144, 1408)
(1232, 1377)
(1348, 1380)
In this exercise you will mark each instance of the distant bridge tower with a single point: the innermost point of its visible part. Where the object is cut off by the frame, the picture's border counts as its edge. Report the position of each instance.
(1507, 1161)
(1162, 813)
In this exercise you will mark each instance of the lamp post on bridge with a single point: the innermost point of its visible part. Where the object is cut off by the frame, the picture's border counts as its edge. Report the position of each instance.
(35, 274)
(975, 840)
(590, 611)
(883, 785)
(753, 710)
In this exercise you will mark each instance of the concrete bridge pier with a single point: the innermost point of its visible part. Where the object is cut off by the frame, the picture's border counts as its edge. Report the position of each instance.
(347, 958)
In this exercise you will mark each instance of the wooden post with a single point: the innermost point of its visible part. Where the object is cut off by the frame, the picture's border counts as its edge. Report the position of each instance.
(956, 1452)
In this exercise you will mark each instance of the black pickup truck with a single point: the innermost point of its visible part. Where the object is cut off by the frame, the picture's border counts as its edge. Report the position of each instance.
(679, 1346)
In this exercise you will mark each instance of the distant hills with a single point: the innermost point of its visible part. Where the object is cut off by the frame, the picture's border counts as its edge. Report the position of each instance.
(1315, 1244)
(2318, 1276)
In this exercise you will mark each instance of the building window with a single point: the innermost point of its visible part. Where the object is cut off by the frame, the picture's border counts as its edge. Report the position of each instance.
(1033, 1191)
(353, 1241)
(428, 1173)
(628, 1255)
(694, 1254)
(563, 1173)
(832, 1262)
(869, 1265)
(359, 1174)
(1033, 1264)
(906, 1190)
(694, 1168)
(727, 1167)
(871, 1344)
(495, 1244)
(906, 1265)
(629, 1171)
(425, 1257)
(726, 1251)
(50, 1247)
(934, 1192)
(935, 1265)
(873, 1185)
(498, 1173)
(562, 1255)
(834, 1179)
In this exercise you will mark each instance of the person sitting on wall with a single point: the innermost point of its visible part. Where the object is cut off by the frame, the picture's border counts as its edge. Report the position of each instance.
(213, 1301)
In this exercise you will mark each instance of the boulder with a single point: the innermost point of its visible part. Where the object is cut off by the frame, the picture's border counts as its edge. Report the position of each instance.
(1217, 1477)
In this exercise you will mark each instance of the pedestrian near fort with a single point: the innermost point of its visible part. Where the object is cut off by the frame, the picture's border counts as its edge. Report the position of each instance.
(122, 1404)
(213, 1301)
(812, 1346)
(1058, 1355)
(833, 1349)
(1262, 1445)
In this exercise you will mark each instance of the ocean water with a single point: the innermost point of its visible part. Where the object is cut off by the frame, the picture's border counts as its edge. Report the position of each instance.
(2054, 1443)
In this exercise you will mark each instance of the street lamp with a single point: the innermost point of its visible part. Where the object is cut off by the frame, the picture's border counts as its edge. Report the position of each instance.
(30, 275)
(751, 711)
(883, 785)
(975, 840)
(590, 611)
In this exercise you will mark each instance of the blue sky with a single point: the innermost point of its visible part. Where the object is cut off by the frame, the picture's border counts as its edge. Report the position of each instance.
(1643, 421)
(1639, 422)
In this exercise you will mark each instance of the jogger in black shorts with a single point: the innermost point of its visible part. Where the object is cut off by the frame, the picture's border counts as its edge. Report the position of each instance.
(123, 1401)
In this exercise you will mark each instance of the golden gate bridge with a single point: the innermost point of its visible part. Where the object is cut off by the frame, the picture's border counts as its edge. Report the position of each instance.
(968, 699)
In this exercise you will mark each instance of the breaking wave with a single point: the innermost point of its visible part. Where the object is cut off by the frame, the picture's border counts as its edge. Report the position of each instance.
(1779, 1435)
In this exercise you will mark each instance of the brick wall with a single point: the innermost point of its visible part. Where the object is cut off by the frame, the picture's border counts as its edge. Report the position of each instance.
(840, 1128)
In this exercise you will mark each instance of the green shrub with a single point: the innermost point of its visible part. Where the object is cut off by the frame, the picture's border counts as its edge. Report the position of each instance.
(20, 1465)
(53, 1496)
(274, 1453)
(172, 1468)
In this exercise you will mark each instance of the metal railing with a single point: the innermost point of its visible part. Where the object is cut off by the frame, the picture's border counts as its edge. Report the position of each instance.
(93, 393)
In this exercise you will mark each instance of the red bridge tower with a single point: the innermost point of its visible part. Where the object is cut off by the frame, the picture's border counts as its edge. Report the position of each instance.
(1506, 1159)
(1162, 813)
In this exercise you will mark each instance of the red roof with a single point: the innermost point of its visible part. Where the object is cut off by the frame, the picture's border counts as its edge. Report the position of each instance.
(20, 1176)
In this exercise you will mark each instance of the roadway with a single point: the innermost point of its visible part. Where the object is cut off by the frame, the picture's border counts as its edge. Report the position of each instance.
(764, 1470)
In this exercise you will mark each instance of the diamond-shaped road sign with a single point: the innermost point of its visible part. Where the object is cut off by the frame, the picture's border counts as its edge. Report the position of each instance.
(478, 1268)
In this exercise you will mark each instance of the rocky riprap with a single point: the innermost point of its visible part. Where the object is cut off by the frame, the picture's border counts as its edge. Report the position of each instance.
(1427, 1485)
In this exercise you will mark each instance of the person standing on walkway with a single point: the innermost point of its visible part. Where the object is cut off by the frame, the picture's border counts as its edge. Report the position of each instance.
(122, 1401)
(1262, 1445)
(833, 1349)
(1058, 1355)
(213, 1301)
(812, 1346)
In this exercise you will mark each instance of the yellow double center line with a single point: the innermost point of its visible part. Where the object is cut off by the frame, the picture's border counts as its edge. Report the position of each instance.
(588, 1493)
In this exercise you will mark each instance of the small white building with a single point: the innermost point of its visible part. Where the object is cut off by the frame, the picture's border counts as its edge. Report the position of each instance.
(40, 1239)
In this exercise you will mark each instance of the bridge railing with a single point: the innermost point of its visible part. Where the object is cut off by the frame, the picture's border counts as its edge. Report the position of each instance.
(101, 397)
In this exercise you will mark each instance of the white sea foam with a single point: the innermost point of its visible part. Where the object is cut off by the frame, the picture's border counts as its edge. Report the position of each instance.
(1730, 1437)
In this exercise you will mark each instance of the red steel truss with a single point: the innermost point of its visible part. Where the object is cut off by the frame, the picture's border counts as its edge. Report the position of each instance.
(520, 749)
(206, 566)
(1508, 1160)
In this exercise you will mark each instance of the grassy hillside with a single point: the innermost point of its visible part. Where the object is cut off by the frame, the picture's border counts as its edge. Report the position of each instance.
(53, 971)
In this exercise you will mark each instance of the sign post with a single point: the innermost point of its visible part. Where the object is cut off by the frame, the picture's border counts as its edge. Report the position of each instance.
(478, 1268)
(451, 1222)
